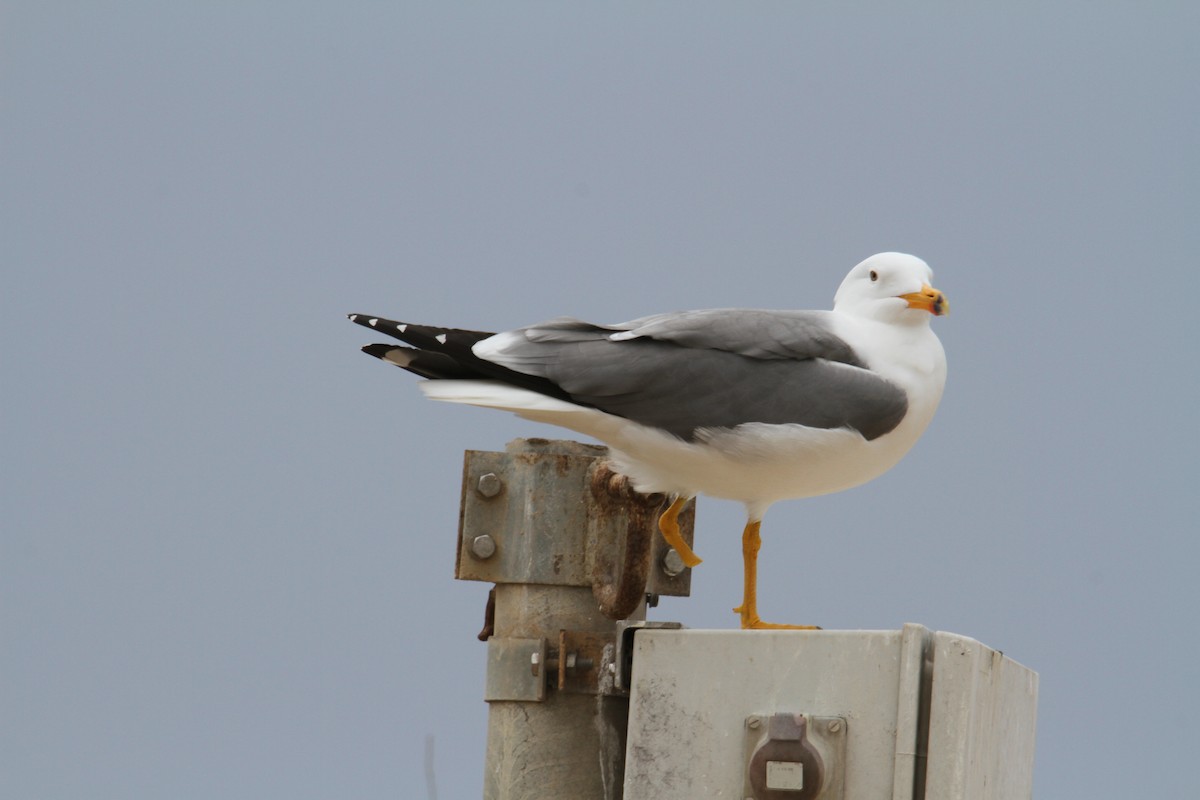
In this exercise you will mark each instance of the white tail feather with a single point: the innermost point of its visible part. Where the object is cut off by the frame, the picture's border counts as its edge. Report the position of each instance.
(530, 405)
(493, 394)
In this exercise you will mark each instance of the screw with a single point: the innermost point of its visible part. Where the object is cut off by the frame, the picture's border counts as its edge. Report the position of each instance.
(489, 484)
(534, 664)
(483, 547)
(672, 563)
(754, 722)
(835, 725)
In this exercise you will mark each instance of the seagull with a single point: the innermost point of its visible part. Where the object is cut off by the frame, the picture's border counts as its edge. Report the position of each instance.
(751, 405)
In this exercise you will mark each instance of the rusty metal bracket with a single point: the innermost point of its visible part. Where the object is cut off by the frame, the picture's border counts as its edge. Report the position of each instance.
(523, 669)
(621, 590)
(515, 528)
(570, 548)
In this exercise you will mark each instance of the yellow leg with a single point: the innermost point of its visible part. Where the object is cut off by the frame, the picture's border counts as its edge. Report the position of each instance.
(668, 523)
(751, 542)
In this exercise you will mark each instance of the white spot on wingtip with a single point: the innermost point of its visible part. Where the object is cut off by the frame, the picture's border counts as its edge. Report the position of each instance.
(400, 326)
(441, 337)
(354, 317)
(372, 322)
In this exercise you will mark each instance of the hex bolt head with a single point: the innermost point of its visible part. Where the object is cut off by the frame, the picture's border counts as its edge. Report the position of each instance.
(489, 484)
(672, 563)
(483, 547)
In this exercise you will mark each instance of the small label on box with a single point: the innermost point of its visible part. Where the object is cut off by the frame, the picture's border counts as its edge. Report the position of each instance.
(785, 775)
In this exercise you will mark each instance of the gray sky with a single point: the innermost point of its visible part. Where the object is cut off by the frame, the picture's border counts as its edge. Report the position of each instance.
(228, 536)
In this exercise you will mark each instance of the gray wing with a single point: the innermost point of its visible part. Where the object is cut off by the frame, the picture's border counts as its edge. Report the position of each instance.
(749, 332)
(708, 369)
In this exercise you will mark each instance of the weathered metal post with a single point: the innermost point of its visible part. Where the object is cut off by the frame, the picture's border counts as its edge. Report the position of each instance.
(572, 552)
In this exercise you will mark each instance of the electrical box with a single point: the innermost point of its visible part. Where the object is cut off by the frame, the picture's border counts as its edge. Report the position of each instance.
(827, 715)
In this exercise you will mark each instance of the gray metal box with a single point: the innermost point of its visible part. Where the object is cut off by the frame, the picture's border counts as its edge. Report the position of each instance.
(909, 714)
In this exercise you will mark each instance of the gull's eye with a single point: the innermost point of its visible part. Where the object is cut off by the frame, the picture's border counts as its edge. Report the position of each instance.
(874, 275)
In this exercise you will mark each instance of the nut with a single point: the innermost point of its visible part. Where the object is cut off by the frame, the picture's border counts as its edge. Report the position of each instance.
(489, 484)
(483, 547)
(672, 563)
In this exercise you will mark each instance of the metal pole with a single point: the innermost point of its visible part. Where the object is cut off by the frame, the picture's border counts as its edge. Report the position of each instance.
(573, 552)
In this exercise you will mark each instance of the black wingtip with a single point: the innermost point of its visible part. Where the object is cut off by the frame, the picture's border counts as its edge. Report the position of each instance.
(378, 350)
(382, 324)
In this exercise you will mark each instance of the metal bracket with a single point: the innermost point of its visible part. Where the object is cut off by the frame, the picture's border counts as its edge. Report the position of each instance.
(514, 528)
(522, 669)
(511, 670)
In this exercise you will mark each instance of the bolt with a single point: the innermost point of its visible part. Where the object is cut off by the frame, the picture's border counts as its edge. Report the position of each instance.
(489, 484)
(835, 725)
(672, 563)
(535, 665)
(578, 662)
(483, 547)
(754, 722)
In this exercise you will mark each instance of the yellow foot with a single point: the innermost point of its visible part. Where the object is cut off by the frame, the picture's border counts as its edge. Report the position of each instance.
(668, 523)
(751, 622)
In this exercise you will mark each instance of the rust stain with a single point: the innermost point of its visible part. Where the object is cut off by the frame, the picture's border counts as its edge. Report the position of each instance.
(619, 595)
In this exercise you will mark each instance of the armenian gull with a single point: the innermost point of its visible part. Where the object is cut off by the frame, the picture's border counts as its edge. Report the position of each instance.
(742, 404)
